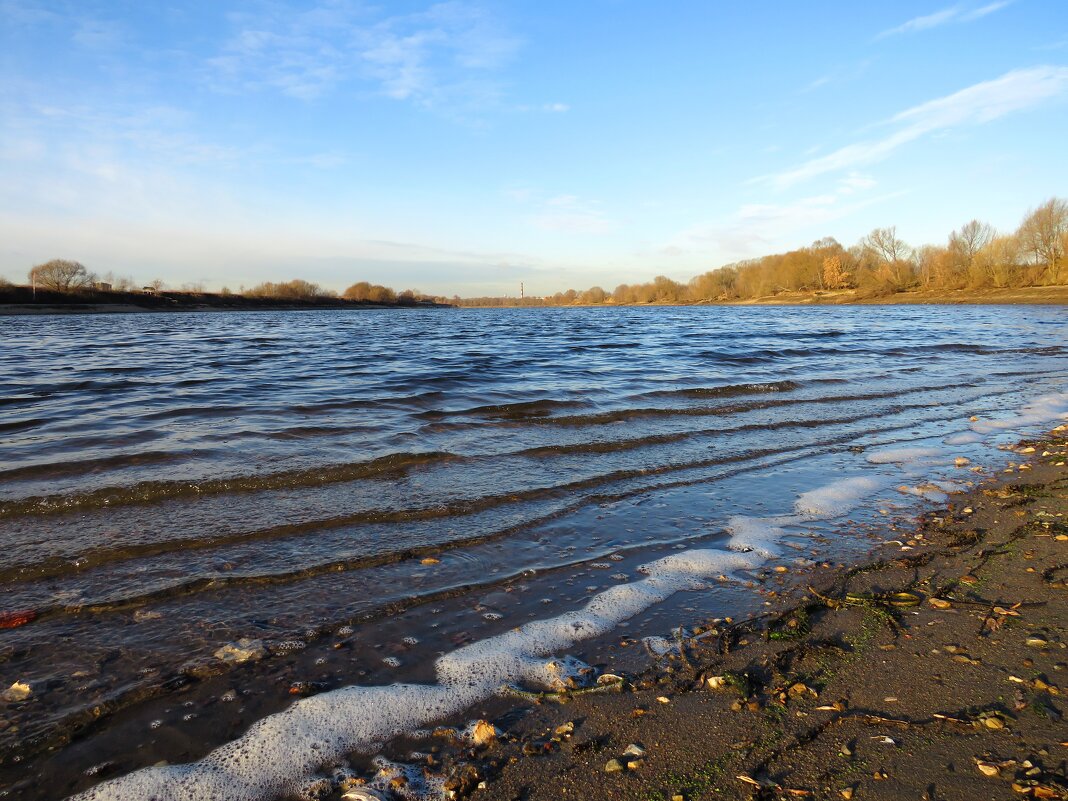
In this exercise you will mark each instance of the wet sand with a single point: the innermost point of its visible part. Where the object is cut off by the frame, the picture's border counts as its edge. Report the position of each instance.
(959, 696)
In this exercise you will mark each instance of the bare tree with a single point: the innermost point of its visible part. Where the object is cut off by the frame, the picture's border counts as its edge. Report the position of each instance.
(969, 240)
(61, 275)
(1043, 233)
(889, 253)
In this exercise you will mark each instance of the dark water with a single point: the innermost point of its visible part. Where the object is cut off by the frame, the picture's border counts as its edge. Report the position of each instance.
(171, 483)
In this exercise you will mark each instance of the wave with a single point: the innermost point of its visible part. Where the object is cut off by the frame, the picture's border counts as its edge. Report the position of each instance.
(727, 391)
(385, 467)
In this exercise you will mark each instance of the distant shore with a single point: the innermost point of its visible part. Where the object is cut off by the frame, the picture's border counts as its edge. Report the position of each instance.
(16, 302)
(19, 301)
(1015, 296)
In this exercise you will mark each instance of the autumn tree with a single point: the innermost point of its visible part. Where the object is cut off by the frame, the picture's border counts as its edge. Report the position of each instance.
(833, 274)
(61, 275)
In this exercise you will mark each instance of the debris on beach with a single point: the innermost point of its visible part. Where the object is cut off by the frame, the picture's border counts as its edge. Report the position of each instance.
(483, 733)
(244, 650)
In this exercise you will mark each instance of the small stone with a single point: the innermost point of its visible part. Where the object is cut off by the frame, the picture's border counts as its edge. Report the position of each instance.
(1036, 642)
(939, 603)
(484, 733)
(994, 723)
(19, 691)
(781, 569)
(634, 764)
(969, 579)
(565, 729)
(244, 650)
(613, 766)
(634, 750)
(429, 560)
(717, 682)
(846, 793)
(961, 461)
(663, 699)
(988, 768)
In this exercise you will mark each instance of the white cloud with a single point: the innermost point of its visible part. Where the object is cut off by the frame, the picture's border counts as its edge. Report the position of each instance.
(925, 22)
(758, 227)
(571, 214)
(440, 55)
(984, 102)
(953, 14)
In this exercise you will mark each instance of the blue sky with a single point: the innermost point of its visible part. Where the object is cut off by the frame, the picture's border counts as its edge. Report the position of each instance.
(463, 147)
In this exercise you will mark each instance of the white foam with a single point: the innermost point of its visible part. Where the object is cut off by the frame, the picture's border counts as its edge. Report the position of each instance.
(759, 534)
(836, 498)
(963, 438)
(1043, 410)
(283, 753)
(905, 455)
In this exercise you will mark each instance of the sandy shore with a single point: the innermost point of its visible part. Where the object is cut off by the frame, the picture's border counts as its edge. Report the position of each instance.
(951, 691)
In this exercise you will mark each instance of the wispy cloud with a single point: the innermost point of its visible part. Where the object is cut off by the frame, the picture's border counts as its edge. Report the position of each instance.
(441, 54)
(572, 214)
(954, 14)
(984, 102)
(756, 227)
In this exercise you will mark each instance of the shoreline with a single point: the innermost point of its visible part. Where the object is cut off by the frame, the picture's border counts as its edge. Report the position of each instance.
(848, 691)
(953, 691)
(165, 303)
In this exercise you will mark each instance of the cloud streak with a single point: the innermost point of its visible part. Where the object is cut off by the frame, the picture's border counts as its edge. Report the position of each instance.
(444, 53)
(1016, 91)
(759, 226)
(953, 15)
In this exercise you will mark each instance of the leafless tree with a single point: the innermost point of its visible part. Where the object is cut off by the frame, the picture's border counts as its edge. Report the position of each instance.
(61, 275)
(1043, 234)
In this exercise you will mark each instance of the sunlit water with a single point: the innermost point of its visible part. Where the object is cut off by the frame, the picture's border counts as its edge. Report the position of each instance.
(171, 483)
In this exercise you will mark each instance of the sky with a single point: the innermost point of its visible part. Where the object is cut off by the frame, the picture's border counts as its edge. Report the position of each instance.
(464, 147)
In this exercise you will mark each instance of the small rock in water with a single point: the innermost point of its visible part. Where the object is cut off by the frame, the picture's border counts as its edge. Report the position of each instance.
(19, 691)
(962, 461)
(392, 661)
(243, 650)
(363, 794)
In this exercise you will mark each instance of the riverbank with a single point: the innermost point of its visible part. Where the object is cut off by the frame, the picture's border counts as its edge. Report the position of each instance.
(20, 300)
(952, 690)
(1014, 296)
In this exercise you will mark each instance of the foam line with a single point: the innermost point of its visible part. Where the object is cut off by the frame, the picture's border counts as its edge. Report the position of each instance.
(905, 455)
(1043, 410)
(285, 752)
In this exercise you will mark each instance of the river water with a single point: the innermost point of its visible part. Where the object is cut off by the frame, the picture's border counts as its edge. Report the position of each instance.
(363, 493)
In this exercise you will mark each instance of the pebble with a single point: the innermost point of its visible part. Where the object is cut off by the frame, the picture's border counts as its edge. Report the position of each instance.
(613, 766)
(19, 691)
(244, 650)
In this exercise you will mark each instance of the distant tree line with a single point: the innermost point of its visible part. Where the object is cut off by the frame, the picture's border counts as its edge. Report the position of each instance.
(975, 256)
(71, 277)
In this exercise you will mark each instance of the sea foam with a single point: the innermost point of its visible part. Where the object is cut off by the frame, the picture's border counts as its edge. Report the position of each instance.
(287, 752)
